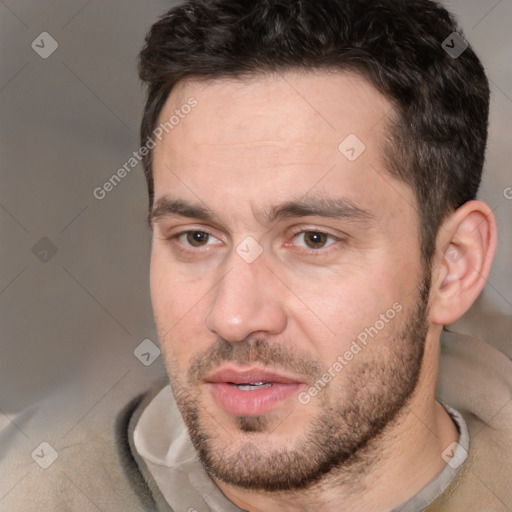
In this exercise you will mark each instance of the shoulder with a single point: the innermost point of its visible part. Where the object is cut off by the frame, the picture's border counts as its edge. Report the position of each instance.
(93, 468)
(135, 469)
(476, 379)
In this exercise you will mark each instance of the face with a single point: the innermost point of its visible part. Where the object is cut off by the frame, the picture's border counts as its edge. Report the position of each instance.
(286, 276)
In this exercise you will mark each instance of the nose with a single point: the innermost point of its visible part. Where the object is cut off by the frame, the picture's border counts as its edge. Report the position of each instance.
(247, 301)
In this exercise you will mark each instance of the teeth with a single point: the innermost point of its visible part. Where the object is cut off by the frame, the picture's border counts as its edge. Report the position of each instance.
(253, 385)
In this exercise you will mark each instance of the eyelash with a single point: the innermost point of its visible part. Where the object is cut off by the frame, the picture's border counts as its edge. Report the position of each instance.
(315, 252)
(174, 239)
(322, 251)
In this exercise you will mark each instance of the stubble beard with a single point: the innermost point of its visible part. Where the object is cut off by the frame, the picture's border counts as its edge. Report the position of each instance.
(342, 436)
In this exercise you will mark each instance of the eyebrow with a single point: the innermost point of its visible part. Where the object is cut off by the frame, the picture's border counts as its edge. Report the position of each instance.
(168, 207)
(316, 206)
(319, 206)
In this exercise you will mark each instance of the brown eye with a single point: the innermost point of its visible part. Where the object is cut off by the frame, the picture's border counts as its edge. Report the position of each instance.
(197, 238)
(315, 239)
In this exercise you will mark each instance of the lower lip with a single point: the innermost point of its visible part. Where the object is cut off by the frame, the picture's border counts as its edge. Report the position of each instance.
(251, 403)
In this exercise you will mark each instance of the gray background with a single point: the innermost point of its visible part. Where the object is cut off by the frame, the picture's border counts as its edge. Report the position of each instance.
(70, 325)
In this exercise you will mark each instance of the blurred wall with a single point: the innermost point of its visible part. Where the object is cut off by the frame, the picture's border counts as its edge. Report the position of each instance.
(74, 271)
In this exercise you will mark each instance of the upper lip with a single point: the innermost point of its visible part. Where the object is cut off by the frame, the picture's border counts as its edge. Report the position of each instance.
(249, 375)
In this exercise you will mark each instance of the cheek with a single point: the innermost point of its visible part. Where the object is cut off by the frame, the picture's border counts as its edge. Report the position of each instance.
(178, 303)
(340, 309)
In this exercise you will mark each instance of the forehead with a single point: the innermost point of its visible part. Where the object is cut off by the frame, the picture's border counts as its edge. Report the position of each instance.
(289, 107)
(270, 137)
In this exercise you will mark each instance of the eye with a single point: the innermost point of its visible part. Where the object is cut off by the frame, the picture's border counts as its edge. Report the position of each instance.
(196, 238)
(314, 239)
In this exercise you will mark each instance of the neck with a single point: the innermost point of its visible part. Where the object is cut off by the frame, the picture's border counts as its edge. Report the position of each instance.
(387, 472)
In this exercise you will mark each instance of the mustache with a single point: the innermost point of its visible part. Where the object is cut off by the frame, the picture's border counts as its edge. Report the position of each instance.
(250, 351)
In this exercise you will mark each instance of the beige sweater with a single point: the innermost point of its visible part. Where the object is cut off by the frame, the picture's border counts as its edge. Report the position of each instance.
(476, 379)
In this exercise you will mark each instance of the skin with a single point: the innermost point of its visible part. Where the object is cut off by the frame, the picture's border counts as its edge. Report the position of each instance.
(249, 146)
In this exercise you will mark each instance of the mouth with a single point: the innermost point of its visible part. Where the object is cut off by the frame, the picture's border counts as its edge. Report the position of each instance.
(251, 391)
(251, 386)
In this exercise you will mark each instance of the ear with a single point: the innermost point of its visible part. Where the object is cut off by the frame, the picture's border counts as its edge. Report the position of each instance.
(466, 244)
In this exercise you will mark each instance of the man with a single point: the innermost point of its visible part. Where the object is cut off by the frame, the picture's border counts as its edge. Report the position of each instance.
(312, 170)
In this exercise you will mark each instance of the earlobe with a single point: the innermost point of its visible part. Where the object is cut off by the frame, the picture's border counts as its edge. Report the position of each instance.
(467, 243)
